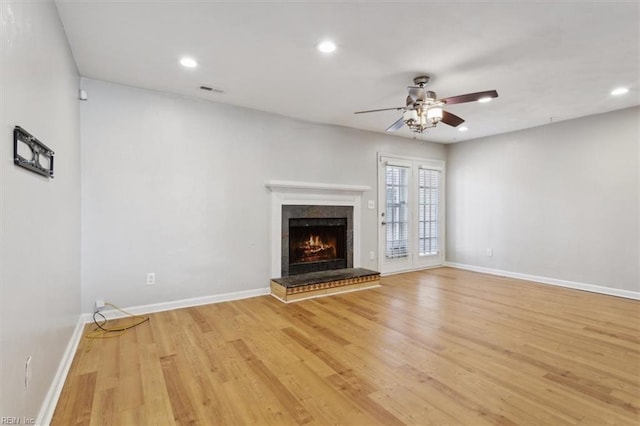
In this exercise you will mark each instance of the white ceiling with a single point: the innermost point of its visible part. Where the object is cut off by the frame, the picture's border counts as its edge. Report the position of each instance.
(547, 60)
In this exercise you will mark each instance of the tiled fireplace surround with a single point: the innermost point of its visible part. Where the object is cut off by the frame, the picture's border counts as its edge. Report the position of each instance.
(312, 199)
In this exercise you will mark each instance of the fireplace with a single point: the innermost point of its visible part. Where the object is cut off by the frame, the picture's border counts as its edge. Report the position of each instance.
(317, 244)
(316, 238)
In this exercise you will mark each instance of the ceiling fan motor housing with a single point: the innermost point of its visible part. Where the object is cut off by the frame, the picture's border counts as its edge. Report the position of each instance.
(421, 80)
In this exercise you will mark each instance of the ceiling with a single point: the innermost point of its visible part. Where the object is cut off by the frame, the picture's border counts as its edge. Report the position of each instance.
(549, 61)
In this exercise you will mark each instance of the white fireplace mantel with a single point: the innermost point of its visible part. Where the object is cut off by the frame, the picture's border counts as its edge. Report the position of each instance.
(287, 186)
(312, 193)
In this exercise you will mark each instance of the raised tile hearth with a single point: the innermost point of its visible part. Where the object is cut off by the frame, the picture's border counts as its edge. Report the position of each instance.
(323, 283)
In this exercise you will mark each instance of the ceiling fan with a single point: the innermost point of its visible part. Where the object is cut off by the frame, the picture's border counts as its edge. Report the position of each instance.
(424, 110)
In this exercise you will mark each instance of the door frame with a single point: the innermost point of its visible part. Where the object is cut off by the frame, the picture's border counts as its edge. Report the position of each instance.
(414, 261)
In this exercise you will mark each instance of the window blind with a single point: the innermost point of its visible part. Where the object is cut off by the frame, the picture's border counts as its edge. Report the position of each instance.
(397, 211)
(428, 193)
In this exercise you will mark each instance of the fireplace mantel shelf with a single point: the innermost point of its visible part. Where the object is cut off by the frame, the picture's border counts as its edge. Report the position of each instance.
(285, 185)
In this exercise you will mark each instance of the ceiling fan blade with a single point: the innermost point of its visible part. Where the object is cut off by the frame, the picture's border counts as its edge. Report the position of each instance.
(377, 110)
(416, 92)
(451, 119)
(470, 97)
(395, 126)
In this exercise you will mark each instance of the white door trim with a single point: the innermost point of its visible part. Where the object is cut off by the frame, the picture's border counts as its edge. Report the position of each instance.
(414, 261)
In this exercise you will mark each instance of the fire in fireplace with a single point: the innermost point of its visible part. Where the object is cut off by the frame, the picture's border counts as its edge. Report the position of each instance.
(317, 244)
(314, 249)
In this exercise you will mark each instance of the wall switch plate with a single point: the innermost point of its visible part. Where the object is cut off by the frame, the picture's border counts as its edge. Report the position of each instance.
(372, 255)
(27, 373)
(371, 204)
(489, 252)
(151, 278)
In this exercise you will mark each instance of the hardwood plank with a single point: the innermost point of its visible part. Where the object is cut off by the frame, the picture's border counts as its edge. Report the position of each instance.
(181, 404)
(290, 402)
(78, 407)
(103, 410)
(411, 408)
(156, 395)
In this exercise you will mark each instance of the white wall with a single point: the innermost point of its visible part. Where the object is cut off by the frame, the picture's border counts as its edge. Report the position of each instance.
(557, 201)
(176, 186)
(39, 217)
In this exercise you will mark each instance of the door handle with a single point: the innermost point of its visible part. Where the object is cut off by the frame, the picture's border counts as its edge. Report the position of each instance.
(383, 223)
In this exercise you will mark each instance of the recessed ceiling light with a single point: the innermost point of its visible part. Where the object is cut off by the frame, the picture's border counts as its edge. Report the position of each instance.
(188, 62)
(327, 46)
(463, 129)
(485, 100)
(619, 91)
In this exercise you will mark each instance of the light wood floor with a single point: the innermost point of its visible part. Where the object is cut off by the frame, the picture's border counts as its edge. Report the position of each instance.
(442, 346)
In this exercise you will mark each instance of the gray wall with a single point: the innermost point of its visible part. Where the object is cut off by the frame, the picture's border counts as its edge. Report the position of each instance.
(39, 217)
(558, 201)
(175, 186)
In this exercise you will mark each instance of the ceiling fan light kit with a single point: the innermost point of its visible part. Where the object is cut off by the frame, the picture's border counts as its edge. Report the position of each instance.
(423, 109)
(434, 114)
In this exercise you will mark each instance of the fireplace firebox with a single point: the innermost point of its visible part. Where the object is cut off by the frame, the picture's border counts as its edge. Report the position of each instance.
(317, 244)
(316, 238)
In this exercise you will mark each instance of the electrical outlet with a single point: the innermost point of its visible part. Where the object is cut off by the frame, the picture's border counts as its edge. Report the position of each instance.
(27, 373)
(371, 204)
(99, 305)
(489, 252)
(151, 278)
(372, 255)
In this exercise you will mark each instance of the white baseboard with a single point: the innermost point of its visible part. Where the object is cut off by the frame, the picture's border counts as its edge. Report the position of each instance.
(183, 303)
(402, 271)
(51, 399)
(628, 294)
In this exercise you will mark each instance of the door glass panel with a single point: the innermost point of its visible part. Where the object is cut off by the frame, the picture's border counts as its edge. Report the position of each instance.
(397, 211)
(428, 188)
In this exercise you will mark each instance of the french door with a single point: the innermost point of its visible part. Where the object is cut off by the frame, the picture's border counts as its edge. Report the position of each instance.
(411, 213)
